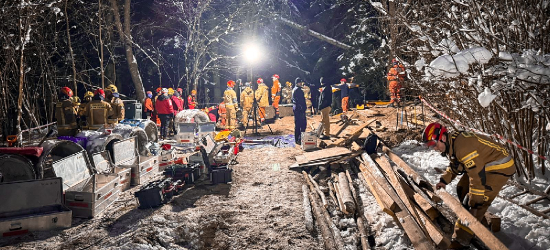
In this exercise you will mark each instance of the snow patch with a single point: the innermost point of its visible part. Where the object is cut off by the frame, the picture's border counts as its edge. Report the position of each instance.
(486, 97)
(454, 65)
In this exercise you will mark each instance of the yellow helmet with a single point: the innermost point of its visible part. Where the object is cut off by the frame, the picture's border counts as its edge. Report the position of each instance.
(89, 94)
(170, 91)
(289, 84)
(193, 92)
(112, 88)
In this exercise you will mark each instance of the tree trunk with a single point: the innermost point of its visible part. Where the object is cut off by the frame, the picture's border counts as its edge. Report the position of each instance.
(101, 48)
(70, 48)
(126, 38)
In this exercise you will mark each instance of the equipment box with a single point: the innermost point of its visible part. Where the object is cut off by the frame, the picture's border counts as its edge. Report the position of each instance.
(93, 195)
(167, 158)
(141, 168)
(285, 110)
(186, 133)
(157, 193)
(73, 169)
(34, 205)
(206, 128)
(132, 109)
(309, 140)
(221, 175)
(147, 168)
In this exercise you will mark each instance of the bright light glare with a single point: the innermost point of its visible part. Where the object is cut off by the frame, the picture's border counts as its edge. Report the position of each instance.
(252, 52)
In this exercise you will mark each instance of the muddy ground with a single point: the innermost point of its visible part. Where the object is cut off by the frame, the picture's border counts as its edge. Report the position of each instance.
(260, 209)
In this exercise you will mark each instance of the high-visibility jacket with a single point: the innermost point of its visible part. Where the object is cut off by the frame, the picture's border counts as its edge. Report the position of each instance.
(230, 97)
(262, 96)
(191, 102)
(307, 95)
(276, 89)
(478, 156)
(397, 72)
(97, 113)
(287, 95)
(148, 105)
(118, 110)
(247, 98)
(65, 114)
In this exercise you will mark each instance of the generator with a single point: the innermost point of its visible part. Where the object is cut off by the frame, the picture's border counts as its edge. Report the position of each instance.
(309, 140)
(132, 109)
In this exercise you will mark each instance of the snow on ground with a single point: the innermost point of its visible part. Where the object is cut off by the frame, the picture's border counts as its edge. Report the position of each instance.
(520, 229)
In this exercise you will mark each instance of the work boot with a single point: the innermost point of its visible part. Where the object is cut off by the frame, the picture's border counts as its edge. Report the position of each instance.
(456, 245)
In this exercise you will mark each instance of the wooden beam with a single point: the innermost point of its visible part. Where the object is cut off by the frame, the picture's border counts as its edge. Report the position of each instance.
(419, 180)
(385, 202)
(307, 209)
(417, 234)
(347, 198)
(436, 234)
(480, 231)
(318, 190)
(328, 239)
(493, 221)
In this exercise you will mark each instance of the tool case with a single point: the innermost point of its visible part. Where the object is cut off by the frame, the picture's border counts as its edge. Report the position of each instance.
(93, 195)
(221, 175)
(73, 169)
(142, 168)
(285, 110)
(187, 173)
(33, 205)
(158, 192)
(166, 158)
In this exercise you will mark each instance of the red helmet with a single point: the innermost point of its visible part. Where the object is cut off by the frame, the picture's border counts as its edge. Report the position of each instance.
(260, 80)
(99, 92)
(433, 132)
(231, 83)
(158, 90)
(179, 90)
(343, 80)
(276, 76)
(66, 91)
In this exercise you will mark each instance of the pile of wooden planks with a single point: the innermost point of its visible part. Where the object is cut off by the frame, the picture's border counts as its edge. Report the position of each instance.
(321, 157)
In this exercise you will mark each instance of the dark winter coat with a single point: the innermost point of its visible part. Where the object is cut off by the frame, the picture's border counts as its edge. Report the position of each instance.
(344, 90)
(298, 99)
(325, 100)
(163, 106)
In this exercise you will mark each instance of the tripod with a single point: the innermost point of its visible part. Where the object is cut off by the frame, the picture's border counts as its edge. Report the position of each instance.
(255, 110)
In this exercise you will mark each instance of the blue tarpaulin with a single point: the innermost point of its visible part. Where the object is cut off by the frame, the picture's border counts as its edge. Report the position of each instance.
(280, 141)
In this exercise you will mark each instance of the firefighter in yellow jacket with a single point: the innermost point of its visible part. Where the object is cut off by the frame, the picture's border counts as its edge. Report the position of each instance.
(231, 105)
(247, 100)
(485, 167)
(66, 113)
(97, 111)
(287, 93)
(87, 98)
(113, 98)
(262, 97)
(307, 95)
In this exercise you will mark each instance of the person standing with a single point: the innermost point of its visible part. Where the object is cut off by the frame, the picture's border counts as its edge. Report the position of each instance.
(192, 99)
(113, 97)
(485, 167)
(87, 98)
(299, 107)
(230, 99)
(287, 93)
(344, 94)
(325, 100)
(336, 105)
(262, 97)
(396, 76)
(165, 111)
(276, 94)
(148, 106)
(247, 100)
(66, 113)
(98, 111)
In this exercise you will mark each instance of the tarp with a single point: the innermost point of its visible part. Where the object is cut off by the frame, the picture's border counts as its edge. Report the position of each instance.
(280, 141)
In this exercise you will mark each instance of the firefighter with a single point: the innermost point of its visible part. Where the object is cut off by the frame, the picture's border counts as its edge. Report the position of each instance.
(276, 94)
(177, 102)
(66, 113)
(485, 167)
(307, 96)
(222, 111)
(113, 98)
(287, 93)
(262, 98)
(85, 100)
(396, 76)
(299, 107)
(192, 100)
(165, 112)
(247, 100)
(97, 111)
(148, 107)
(231, 105)
(344, 94)
(325, 101)
(336, 105)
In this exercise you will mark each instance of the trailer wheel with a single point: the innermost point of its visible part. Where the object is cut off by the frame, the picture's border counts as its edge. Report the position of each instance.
(15, 168)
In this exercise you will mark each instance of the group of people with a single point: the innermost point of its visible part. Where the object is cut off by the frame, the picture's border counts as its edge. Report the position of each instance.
(166, 105)
(96, 110)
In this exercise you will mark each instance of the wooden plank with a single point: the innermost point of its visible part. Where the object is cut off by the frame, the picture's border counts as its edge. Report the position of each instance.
(430, 211)
(436, 234)
(318, 190)
(307, 209)
(480, 231)
(419, 180)
(535, 200)
(397, 185)
(385, 202)
(347, 198)
(417, 235)
(325, 153)
(493, 221)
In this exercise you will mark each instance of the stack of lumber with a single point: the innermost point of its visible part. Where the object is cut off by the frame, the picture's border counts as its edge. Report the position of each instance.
(321, 157)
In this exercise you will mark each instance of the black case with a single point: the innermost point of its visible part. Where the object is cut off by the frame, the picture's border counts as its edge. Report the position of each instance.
(221, 175)
(155, 193)
(187, 173)
(133, 109)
